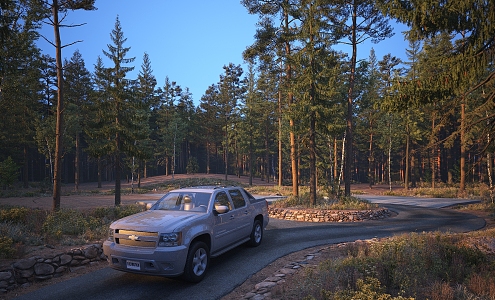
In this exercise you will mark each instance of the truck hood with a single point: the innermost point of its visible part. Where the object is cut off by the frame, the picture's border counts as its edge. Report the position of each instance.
(156, 220)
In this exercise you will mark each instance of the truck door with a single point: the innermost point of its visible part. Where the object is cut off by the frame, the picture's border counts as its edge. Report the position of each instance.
(243, 218)
(224, 232)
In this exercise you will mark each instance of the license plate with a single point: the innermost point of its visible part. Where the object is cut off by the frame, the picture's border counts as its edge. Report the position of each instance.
(133, 265)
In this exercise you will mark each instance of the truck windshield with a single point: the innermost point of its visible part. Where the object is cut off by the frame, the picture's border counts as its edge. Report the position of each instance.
(186, 201)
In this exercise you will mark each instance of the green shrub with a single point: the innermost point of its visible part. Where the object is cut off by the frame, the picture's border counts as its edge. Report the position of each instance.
(6, 249)
(109, 214)
(343, 203)
(65, 222)
(8, 172)
(13, 214)
(192, 166)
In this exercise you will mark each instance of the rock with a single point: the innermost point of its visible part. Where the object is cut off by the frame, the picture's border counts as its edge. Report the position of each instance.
(43, 269)
(25, 264)
(26, 273)
(5, 275)
(91, 252)
(61, 269)
(65, 259)
(265, 284)
(4, 284)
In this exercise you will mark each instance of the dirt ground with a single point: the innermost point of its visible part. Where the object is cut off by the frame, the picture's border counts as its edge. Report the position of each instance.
(87, 199)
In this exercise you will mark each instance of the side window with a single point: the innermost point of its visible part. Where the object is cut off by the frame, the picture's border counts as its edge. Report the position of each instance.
(222, 199)
(249, 196)
(237, 198)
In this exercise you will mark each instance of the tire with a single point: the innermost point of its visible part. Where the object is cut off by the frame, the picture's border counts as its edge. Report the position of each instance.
(256, 234)
(198, 259)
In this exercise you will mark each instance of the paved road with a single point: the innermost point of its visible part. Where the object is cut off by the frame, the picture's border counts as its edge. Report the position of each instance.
(281, 238)
(416, 201)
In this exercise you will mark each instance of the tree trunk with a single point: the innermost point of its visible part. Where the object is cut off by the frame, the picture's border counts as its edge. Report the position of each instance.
(406, 171)
(26, 167)
(207, 157)
(370, 161)
(290, 100)
(77, 163)
(60, 107)
(433, 153)
(349, 151)
(462, 184)
(280, 150)
(312, 159)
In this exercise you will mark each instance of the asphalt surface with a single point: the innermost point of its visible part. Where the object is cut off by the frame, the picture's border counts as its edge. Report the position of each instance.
(416, 201)
(281, 238)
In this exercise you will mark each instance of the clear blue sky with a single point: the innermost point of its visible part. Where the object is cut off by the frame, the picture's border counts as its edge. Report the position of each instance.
(188, 41)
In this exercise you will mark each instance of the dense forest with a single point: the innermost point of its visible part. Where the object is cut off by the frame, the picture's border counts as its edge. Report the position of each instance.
(303, 113)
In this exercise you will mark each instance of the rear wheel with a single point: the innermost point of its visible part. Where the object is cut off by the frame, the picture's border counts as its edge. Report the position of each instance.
(197, 262)
(256, 234)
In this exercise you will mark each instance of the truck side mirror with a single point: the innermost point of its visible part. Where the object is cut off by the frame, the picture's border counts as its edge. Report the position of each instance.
(221, 209)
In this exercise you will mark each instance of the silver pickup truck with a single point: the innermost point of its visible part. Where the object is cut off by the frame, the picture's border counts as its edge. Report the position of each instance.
(181, 231)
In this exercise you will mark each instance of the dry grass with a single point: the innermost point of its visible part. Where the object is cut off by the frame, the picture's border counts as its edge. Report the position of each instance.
(419, 266)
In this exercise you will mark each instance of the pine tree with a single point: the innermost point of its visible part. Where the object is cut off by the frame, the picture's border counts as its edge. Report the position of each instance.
(273, 40)
(56, 8)
(147, 94)
(369, 112)
(313, 68)
(231, 91)
(366, 22)
(20, 86)
(78, 79)
(471, 25)
(119, 118)
(210, 122)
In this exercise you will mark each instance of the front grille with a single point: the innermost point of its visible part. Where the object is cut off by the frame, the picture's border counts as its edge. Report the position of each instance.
(136, 238)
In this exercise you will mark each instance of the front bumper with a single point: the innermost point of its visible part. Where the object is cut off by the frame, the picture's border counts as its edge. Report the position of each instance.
(163, 261)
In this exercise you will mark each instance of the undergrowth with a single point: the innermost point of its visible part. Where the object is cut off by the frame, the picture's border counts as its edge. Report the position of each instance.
(21, 227)
(410, 266)
(324, 202)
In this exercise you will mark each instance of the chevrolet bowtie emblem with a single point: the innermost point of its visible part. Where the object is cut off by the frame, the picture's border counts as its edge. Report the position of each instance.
(134, 237)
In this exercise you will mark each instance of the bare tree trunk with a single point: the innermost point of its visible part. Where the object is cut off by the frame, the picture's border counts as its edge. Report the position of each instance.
(433, 156)
(350, 100)
(280, 152)
(26, 167)
(390, 156)
(77, 163)
(335, 160)
(370, 162)
(406, 171)
(462, 184)
(293, 153)
(312, 160)
(99, 172)
(60, 107)
(341, 164)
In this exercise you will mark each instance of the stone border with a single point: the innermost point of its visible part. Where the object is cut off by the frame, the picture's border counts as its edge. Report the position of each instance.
(24, 272)
(322, 215)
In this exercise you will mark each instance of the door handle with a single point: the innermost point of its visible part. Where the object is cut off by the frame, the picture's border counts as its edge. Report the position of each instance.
(231, 218)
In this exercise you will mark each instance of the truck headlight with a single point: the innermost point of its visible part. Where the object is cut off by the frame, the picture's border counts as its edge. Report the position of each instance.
(110, 235)
(170, 239)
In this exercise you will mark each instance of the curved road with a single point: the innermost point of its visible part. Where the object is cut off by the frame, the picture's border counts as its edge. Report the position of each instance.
(281, 238)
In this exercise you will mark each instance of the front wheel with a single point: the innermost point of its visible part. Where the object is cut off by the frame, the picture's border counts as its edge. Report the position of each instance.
(197, 262)
(256, 234)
